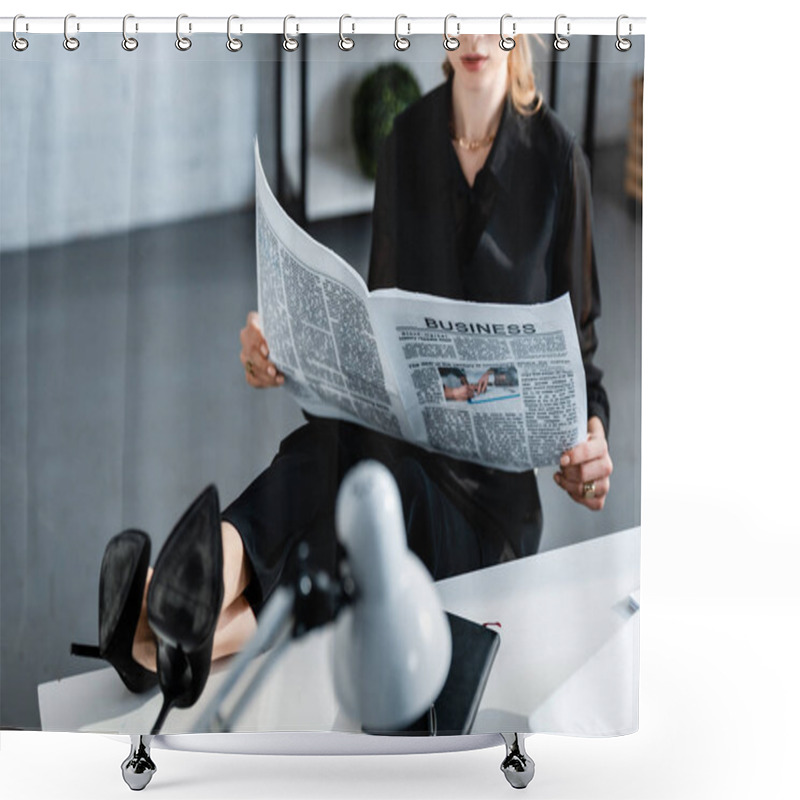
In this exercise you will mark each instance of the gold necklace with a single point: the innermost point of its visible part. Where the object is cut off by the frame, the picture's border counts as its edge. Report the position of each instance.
(475, 144)
(470, 144)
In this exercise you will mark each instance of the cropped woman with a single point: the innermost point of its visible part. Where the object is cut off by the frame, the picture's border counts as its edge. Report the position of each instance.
(483, 195)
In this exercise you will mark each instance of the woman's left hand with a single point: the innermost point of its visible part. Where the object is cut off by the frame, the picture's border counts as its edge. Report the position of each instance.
(586, 468)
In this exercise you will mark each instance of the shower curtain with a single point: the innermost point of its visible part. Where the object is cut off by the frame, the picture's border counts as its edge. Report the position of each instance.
(128, 268)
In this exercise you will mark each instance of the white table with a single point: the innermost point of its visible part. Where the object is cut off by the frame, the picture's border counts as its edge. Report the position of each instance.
(567, 663)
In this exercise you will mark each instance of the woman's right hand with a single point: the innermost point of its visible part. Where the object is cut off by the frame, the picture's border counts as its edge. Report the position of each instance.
(259, 371)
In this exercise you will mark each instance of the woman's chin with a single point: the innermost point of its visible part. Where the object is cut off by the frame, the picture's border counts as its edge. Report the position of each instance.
(479, 81)
(480, 77)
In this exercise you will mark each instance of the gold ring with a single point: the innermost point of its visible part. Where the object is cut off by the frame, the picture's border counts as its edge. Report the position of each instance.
(250, 368)
(589, 489)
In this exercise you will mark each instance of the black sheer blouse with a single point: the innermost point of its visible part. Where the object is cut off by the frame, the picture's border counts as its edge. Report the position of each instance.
(521, 234)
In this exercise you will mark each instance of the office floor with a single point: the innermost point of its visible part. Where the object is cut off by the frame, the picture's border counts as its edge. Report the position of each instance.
(122, 396)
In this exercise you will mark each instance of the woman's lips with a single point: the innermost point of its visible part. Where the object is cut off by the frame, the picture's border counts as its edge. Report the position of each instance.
(473, 62)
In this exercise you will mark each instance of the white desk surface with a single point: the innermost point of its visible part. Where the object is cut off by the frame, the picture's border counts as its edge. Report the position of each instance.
(568, 660)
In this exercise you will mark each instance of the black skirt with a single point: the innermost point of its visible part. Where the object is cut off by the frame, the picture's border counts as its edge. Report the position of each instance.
(447, 525)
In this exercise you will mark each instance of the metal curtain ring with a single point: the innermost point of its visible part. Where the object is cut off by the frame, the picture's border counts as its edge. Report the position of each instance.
(70, 42)
(400, 43)
(344, 42)
(560, 43)
(128, 42)
(451, 42)
(623, 45)
(507, 42)
(183, 43)
(289, 44)
(18, 43)
(233, 44)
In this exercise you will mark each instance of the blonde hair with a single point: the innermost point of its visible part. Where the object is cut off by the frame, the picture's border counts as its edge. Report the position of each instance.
(521, 80)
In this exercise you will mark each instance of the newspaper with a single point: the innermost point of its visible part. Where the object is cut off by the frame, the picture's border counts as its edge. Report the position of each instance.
(497, 384)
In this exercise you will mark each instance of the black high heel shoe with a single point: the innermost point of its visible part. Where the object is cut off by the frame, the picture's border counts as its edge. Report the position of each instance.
(122, 579)
(184, 602)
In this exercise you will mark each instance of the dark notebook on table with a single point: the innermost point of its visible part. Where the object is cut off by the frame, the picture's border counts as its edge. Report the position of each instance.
(453, 712)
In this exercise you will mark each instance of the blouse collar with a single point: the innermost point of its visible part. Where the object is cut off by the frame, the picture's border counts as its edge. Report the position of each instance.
(510, 132)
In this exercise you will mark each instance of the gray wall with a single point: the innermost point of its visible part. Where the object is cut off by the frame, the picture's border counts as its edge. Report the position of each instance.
(100, 140)
(336, 76)
(126, 140)
(615, 73)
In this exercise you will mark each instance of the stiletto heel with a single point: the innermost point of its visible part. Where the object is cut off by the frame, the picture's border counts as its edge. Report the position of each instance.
(184, 602)
(123, 574)
(162, 716)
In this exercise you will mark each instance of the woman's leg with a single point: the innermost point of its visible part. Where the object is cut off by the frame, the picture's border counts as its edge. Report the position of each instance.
(236, 572)
(291, 500)
(236, 623)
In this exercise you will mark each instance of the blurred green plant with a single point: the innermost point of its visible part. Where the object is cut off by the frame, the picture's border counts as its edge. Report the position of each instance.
(381, 96)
